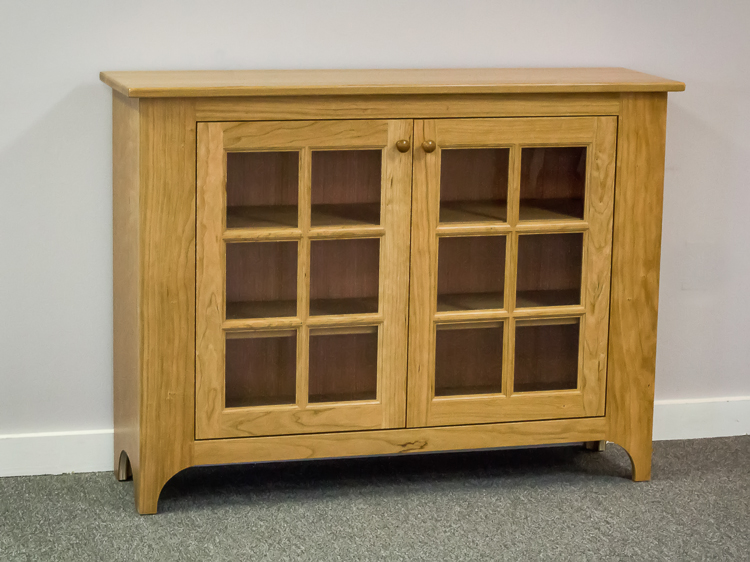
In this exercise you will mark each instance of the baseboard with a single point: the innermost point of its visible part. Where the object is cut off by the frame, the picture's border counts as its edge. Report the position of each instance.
(24, 454)
(92, 451)
(701, 418)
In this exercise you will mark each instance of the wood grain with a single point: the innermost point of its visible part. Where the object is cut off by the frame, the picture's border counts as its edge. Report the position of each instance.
(167, 293)
(386, 81)
(278, 135)
(126, 270)
(268, 108)
(398, 441)
(635, 277)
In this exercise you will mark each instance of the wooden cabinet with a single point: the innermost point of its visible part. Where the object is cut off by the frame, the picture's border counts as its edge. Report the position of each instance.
(336, 263)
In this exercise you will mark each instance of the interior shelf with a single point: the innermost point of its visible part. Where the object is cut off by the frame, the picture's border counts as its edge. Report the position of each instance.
(473, 211)
(261, 309)
(325, 307)
(560, 297)
(262, 216)
(470, 301)
(550, 209)
(355, 214)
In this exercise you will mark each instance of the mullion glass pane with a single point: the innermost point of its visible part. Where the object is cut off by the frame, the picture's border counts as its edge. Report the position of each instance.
(344, 276)
(471, 273)
(262, 189)
(261, 279)
(474, 184)
(468, 359)
(549, 269)
(546, 355)
(261, 370)
(346, 187)
(343, 366)
(553, 183)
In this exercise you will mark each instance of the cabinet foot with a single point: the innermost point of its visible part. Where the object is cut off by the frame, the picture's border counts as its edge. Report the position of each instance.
(123, 470)
(598, 446)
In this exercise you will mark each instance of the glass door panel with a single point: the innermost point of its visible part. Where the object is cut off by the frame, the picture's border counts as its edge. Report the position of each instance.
(262, 189)
(261, 369)
(471, 273)
(553, 183)
(549, 269)
(346, 187)
(344, 276)
(261, 279)
(302, 279)
(546, 354)
(468, 359)
(474, 185)
(344, 364)
(509, 306)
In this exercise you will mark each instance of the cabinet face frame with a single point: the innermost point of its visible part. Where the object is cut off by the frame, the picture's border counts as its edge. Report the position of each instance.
(213, 419)
(599, 135)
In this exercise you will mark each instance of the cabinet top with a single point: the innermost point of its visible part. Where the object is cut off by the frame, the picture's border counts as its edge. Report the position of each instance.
(200, 83)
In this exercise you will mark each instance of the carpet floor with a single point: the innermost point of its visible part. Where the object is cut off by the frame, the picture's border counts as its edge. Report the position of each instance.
(559, 503)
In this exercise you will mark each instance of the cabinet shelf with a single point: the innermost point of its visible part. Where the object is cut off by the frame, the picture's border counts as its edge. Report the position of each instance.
(496, 211)
(330, 307)
(355, 214)
(559, 297)
(261, 309)
(550, 209)
(262, 216)
(473, 211)
(285, 216)
(470, 301)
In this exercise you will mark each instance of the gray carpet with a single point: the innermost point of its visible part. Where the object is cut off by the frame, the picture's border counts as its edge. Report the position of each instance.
(535, 504)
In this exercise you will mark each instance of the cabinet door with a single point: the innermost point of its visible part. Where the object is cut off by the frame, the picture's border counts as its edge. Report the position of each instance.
(302, 277)
(510, 269)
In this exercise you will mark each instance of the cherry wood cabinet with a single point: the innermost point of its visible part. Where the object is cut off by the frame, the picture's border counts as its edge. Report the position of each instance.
(319, 264)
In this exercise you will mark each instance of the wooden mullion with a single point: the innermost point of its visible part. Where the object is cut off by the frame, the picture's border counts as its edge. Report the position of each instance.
(304, 207)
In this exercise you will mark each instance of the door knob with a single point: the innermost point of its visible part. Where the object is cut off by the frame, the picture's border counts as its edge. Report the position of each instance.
(429, 146)
(403, 145)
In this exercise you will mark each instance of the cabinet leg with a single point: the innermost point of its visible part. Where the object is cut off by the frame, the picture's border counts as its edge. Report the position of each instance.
(640, 461)
(147, 491)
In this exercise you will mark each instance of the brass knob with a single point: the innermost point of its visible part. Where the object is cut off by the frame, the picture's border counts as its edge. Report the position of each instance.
(429, 146)
(403, 145)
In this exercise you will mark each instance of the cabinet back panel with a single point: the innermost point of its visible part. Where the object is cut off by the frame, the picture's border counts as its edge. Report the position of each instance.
(261, 271)
(262, 178)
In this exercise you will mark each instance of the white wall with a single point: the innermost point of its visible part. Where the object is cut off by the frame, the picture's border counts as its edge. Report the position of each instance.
(55, 156)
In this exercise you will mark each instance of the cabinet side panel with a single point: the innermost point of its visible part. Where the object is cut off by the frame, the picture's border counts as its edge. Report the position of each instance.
(125, 200)
(635, 276)
(167, 293)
